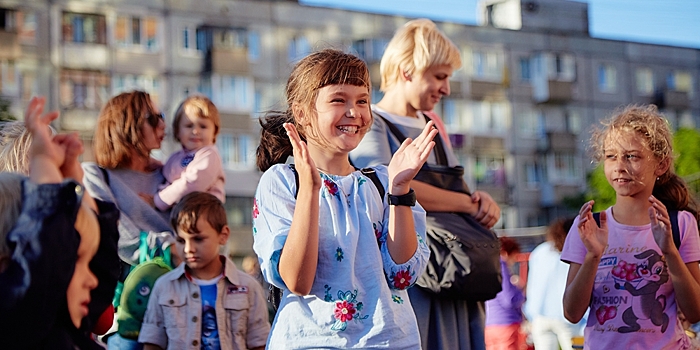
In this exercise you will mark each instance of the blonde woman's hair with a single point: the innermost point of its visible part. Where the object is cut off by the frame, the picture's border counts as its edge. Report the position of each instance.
(200, 106)
(14, 146)
(415, 47)
(10, 206)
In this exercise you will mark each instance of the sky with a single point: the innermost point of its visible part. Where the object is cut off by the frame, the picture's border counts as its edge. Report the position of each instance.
(666, 22)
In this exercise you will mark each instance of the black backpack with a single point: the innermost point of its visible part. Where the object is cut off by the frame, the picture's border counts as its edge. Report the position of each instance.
(275, 294)
(672, 215)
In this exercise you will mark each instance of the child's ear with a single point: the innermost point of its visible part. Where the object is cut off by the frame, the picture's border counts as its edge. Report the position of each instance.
(224, 234)
(298, 113)
(663, 166)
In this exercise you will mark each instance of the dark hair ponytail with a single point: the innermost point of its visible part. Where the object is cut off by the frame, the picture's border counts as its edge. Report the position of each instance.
(672, 191)
(274, 146)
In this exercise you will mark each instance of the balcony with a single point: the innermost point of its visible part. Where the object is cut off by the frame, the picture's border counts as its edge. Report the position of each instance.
(227, 61)
(484, 143)
(237, 121)
(552, 91)
(126, 61)
(559, 141)
(482, 89)
(83, 121)
(10, 48)
(671, 99)
(85, 56)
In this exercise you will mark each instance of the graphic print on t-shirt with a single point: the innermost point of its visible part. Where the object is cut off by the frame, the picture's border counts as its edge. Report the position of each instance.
(210, 331)
(631, 294)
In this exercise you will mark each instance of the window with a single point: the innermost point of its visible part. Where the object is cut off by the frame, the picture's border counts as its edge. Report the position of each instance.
(487, 65)
(562, 67)
(573, 122)
(192, 41)
(298, 48)
(237, 150)
(607, 78)
(490, 171)
(645, 81)
(8, 19)
(129, 82)
(83, 89)
(681, 81)
(29, 86)
(229, 92)
(370, 50)
(488, 116)
(84, 28)
(26, 23)
(253, 45)
(533, 174)
(530, 123)
(9, 78)
(564, 167)
(135, 31)
(525, 74)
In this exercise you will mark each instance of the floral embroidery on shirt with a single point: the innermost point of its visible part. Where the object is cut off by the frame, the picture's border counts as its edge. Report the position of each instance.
(361, 181)
(327, 293)
(329, 185)
(397, 299)
(339, 254)
(256, 212)
(347, 309)
(401, 279)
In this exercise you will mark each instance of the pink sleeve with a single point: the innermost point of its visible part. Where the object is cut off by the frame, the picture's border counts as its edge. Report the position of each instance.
(201, 174)
(574, 251)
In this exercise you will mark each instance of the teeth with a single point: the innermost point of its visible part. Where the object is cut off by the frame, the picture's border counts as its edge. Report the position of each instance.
(349, 129)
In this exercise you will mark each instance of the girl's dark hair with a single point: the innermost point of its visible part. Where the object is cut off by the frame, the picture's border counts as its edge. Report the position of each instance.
(311, 73)
(653, 128)
(557, 231)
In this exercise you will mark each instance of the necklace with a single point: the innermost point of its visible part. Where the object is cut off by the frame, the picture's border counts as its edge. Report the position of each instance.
(333, 187)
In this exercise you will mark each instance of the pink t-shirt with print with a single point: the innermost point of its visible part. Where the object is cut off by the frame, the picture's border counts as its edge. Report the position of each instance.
(633, 305)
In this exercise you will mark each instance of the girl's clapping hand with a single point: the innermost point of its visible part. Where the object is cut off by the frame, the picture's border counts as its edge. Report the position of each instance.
(594, 238)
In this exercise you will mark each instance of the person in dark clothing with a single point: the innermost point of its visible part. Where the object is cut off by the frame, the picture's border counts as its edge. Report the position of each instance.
(51, 231)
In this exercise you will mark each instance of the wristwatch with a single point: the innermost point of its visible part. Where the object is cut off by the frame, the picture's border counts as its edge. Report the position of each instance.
(408, 199)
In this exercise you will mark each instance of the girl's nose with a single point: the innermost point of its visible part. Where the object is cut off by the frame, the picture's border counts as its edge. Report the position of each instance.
(350, 113)
(91, 280)
(445, 88)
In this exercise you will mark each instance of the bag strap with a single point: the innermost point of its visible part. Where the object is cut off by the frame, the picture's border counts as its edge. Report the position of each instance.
(368, 172)
(675, 230)
(439, 149)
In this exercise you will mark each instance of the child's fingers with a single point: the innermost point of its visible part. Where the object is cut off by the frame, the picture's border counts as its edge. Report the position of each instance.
(427, 130)
(426, 151)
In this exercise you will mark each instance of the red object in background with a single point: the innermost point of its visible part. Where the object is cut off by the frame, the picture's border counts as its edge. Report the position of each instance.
(104, 323)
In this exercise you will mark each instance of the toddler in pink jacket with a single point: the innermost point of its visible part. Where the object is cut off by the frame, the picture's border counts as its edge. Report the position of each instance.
(198, 166)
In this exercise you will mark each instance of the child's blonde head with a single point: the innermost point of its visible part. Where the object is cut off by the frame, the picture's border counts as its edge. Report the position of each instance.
(311, 73)
(415, 47)
(195, 205)
(10, 206)
(14, 145)
(200, 106)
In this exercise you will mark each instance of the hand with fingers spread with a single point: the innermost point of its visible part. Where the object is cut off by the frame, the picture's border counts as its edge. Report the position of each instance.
(43, 142)
(661, 225)
(409, 158)
(305, 166)
(489, 212)
(594, 238)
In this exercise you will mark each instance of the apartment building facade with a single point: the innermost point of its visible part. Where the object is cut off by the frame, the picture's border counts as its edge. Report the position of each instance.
(532, 82)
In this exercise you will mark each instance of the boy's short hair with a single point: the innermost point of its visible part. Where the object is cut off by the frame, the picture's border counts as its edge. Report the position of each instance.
(10, 206)
(194, 206)
(415, 47)
(202, 107)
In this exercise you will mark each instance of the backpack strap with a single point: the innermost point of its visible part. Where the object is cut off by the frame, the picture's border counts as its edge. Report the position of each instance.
(368, 172)
(675, 230)
(439, 149)
(105, 175)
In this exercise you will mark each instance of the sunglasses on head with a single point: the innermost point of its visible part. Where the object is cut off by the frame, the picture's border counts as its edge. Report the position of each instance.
(154, 118)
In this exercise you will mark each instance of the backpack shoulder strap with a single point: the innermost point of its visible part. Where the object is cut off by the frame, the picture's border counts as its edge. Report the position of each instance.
(105, 175)
(675, 230)
(372, 175)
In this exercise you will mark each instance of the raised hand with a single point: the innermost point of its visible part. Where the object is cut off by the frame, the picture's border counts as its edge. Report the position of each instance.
(409, 158)
(594, 238)
(305, 166)
(43, 143)
(74, 148)
(661, 225)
